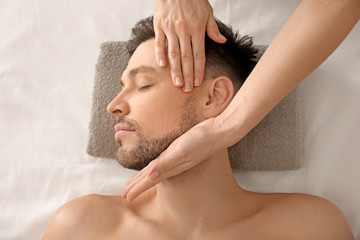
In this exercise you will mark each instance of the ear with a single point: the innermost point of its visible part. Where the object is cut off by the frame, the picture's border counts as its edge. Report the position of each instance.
(220, 93)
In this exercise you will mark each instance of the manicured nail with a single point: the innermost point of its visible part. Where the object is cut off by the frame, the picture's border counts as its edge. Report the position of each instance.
(128, 199)
(187, 87)
(162, 63)
(178, 81)
(197, 82)
(221, 36)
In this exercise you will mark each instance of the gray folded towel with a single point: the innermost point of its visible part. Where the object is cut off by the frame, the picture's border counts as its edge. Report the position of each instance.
(274, 144)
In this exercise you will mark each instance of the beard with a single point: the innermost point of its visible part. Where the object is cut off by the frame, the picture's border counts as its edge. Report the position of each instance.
(146, 150)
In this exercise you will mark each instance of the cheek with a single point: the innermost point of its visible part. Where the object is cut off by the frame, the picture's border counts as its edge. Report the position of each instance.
(157, 112)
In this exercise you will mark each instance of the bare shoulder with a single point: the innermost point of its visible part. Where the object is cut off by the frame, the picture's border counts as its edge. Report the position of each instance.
(312, 217)
(85, 218)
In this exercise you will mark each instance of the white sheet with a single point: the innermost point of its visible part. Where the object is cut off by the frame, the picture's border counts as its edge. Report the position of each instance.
(48, 50)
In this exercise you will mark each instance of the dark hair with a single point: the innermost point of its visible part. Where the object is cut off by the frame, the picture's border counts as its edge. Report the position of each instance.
(235, 58)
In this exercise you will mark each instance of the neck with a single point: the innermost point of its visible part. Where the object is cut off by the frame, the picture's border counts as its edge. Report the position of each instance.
(201, 197)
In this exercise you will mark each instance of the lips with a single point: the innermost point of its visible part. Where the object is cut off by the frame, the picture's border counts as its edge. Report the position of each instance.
(121, 130)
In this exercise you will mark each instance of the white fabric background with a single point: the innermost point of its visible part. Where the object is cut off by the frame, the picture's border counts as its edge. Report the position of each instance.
(48, 50)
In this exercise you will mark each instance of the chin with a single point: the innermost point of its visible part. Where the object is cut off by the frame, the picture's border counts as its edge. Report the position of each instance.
(129, 160)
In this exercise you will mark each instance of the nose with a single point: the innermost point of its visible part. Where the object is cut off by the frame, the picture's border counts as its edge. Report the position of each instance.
(118, 106)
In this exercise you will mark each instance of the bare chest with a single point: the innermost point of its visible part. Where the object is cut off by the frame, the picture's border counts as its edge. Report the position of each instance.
(138, 229)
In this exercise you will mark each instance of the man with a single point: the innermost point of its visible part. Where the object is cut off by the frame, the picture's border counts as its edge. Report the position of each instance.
(206, 201)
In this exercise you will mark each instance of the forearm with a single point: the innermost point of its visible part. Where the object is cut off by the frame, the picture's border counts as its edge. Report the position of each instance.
(311, 34)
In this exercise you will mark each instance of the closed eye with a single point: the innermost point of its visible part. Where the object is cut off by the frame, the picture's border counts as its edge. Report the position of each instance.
(144, 87)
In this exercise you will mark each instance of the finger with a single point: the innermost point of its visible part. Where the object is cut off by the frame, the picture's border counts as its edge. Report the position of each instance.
(133, 181)
(151, 174)
(143, 185)
(161, 170)
(150, 180)
(128, 185)
(142, 182)
(160, 45)
(198, 45)
(174, 59)
(213, 30)
(137, 178)
(187, 64)
(145, 182)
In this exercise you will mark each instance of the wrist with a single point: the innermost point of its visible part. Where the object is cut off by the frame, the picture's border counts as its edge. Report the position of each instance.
(235, 121)
(224, 132)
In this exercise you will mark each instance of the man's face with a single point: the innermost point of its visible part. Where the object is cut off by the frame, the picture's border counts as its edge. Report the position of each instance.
(150, 111)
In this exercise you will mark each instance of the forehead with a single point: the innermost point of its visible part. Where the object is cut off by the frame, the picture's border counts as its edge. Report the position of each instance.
(144, 55)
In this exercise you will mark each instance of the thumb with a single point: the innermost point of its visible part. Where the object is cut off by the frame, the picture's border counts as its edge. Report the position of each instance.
(213, 30)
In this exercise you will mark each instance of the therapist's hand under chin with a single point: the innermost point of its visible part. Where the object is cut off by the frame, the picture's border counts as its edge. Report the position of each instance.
(184, 153)
(180, 27)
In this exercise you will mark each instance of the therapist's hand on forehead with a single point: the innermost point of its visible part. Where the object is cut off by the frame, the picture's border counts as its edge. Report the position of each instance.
(180, 27)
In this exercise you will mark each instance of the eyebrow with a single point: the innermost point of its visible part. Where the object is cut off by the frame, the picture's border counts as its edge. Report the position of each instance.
(141, 69)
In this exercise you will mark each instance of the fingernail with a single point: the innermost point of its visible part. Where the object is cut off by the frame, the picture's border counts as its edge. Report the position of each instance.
(162, 63)
(221, 36)
(187, 87)
(154, 175)
(178, 81)
(197, 82)
(128, 198)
